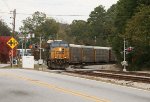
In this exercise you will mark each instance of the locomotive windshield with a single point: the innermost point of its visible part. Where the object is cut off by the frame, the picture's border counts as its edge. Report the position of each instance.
(59, 44)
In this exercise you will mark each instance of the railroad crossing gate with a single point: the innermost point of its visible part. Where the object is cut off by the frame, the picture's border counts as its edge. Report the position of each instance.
(12, 43)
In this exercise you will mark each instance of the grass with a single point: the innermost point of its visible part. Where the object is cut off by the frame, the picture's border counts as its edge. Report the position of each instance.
(14, 66)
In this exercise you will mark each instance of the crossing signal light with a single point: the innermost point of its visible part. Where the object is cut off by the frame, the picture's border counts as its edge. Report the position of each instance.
(30, 46)
(129, 49)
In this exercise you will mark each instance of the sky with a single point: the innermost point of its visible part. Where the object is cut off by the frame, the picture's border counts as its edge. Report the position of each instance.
(57, 9)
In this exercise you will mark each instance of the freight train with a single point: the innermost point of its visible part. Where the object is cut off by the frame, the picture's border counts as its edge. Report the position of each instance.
(61, 54)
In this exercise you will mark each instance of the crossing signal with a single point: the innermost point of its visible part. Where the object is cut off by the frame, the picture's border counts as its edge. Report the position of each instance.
(129, 49)
(30, 46)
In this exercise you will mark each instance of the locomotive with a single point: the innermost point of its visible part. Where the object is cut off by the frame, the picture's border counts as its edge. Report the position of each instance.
(61, 54)
(58, 54)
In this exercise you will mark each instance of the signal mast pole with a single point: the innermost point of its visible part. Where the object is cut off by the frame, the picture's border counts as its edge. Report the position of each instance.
(124, 57)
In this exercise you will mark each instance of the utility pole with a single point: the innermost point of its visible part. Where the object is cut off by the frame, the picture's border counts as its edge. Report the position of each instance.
(22, 48)
(25, 47)
(13, 31)
(40, 60)
(14, 21)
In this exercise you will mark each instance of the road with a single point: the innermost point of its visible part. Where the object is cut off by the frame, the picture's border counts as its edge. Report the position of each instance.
(20, 85)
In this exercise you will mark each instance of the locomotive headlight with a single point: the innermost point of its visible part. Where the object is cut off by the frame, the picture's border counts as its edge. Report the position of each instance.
(60, 49)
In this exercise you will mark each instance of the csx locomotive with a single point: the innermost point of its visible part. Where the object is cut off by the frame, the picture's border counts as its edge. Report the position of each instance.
(61, 54)
(58, 54)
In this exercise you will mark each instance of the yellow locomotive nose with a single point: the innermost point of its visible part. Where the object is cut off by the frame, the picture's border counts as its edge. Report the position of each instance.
(60, 49)
(58, 54)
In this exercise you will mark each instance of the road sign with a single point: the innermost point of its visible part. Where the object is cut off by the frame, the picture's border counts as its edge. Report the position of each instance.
(12, 43)
(124, 63)
(10, 53)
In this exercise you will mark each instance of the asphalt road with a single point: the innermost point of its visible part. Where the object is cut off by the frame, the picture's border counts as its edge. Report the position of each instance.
(20, 85)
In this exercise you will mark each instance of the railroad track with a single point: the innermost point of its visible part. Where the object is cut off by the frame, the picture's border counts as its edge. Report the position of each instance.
(127, 73)
(127, 76)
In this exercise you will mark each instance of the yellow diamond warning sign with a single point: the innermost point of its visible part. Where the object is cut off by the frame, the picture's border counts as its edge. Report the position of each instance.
(12, 42)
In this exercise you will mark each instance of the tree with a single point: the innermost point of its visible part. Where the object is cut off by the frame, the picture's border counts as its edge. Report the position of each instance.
(79, 31)
(143, 2)
(31, 23)
(64, 33)
(48, 29)
(40, 25)
(131, 23)
(137, 33)
(98, 25)
(110, 21)
(4, 29)
(125, 10)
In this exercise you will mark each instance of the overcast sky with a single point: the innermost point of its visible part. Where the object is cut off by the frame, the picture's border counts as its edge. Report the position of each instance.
(52, 8)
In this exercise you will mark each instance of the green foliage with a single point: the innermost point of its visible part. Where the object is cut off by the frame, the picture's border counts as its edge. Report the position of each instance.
(40, 25)
(4, 29)
(30, 24)
(131, 21)
(110, 22)
(64, 33)
(137, 33)
(97, 17)
(79, 31)
(143, 2)
(124, 11)
(48, 29)
(99, 28)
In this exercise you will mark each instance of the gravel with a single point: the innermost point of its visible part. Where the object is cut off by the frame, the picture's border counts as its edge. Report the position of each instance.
(139, 85)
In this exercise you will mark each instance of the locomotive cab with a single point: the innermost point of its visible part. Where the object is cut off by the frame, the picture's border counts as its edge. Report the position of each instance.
(58, 54)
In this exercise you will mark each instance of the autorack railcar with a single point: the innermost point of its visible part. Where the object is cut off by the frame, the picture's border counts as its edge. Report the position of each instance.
(75, 52)
(90, 54)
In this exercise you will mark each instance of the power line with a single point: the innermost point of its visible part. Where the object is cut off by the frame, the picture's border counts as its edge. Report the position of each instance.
(53, 15)
(6, 12)
(46, 14)
(68, 15)
(73, 15)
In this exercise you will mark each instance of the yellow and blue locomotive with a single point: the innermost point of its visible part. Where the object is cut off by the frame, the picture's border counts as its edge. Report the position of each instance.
(58, 54)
